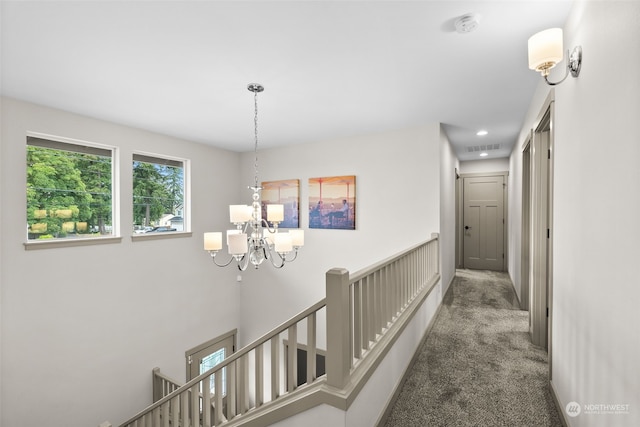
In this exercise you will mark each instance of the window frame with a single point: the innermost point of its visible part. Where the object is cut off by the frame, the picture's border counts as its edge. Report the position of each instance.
(58, 141)
(186, 209)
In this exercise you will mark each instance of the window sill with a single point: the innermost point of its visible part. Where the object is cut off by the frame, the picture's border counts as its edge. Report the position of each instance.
(158, 236)
(50, 244)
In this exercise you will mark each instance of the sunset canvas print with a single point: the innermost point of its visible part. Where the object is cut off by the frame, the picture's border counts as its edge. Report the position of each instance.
(332, 202)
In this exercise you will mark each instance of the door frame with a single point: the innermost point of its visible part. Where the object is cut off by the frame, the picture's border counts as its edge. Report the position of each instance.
(525, 246)
(541, 258)
(505, 213)
(211, 346)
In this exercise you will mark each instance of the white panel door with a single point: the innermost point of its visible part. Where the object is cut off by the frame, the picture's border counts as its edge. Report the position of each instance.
(483, 225)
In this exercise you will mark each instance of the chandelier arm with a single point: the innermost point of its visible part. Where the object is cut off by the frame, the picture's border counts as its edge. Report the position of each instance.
(272, 258)
(265, 224)
(243, 262)
(295, 255)
(213, 258)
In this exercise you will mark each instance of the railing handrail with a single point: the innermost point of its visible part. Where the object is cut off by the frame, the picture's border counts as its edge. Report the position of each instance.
(232, 358)
(354, 277)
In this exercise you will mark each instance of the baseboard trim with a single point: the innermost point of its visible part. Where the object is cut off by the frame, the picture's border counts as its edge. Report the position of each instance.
(556, 401)
(405, 375)
(513, 286)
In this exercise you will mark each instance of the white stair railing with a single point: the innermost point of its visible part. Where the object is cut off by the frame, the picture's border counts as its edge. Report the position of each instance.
(362, 307)
(365, 312)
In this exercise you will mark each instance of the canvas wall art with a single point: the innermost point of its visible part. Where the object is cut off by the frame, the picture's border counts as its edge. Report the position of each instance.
(287, 193)
(332, 202)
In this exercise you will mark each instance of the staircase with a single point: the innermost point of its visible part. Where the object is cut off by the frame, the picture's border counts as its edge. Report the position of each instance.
(365, 313)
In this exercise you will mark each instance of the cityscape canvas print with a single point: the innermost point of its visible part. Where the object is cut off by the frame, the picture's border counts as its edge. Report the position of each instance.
(287, 193)
(332, 202)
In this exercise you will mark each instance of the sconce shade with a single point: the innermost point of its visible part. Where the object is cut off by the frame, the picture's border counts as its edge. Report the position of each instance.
(545, 49)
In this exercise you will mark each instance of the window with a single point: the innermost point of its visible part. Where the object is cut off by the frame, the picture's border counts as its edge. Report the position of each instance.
(158, 194)
(206, 356)
(69, 190)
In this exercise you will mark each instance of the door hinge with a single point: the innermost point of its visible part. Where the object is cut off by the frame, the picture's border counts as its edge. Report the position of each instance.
(549, 154)
(233, 348)
(189, 360)
(547, 311)
(548, 233)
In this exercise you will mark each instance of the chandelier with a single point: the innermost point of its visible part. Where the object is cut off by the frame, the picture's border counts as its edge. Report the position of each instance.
(253, 240)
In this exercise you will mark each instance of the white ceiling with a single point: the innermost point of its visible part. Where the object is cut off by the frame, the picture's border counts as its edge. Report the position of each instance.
(330, 68)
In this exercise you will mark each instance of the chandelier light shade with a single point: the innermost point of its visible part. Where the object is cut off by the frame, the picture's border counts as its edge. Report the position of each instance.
(253, 240)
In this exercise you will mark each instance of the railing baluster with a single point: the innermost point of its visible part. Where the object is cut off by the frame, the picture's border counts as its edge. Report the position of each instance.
(350, 348)
(389, 285)
(311, 348)
(243, 385)
(218, 415)
(195, 405)
(373, 285)
(175, 411)
(231, 390)
(379, 303)
(156, 416)
(357, 319)
(292, 359)
(165, 414)
(184, 410)
(366, 314)
(275, 368)
(259, 373)
(206, 401)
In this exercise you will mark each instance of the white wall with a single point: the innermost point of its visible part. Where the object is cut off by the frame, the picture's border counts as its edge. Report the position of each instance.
(595, 342)
(95, 318)
(397, 183)
(448, 165)
(484, 166)
(83, 327)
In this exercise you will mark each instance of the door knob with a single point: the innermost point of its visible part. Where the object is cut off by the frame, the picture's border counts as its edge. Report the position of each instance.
(466, 227)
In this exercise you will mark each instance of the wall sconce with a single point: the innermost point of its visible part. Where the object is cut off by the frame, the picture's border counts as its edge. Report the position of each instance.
(545, 51)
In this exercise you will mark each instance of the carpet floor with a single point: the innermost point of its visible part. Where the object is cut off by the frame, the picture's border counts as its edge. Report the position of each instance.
(477, 366)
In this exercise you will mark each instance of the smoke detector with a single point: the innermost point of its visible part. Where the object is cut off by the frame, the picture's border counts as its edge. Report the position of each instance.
(467, 23)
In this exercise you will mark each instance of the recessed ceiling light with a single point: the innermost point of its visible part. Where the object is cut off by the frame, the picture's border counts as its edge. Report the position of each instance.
(482, 132)
(484, 154)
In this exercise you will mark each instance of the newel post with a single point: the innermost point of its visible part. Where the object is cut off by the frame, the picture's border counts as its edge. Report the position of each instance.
(338, 336)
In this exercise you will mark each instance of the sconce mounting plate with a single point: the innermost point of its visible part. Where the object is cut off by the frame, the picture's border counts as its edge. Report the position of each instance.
(575, 61)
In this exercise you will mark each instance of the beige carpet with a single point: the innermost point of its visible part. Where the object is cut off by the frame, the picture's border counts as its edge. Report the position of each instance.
(477, 366)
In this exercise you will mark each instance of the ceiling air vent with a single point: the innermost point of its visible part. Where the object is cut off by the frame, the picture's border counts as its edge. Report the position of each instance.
(487, 147)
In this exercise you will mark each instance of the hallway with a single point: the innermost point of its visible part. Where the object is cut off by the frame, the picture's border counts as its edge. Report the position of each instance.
(477, 366)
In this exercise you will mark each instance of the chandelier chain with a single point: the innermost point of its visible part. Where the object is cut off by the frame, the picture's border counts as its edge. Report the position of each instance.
(255, 126)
